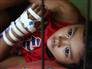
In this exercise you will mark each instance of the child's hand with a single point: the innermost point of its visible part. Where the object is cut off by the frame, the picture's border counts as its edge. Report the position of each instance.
(37, 10)
(32, 17)
(27, 23)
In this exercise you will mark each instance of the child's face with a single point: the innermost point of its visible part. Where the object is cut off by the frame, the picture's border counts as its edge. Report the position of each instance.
(67, 44)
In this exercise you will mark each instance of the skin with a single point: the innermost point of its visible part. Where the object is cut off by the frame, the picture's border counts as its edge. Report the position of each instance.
(4, 49)
(63, 10)
(68, 38)
(57, 44)
(51, 5)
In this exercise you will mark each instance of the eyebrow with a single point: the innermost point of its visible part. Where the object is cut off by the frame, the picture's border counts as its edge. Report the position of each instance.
(70, 50)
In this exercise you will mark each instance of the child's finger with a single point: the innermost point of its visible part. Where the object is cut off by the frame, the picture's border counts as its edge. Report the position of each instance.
(36, 10)
(30, 16)
(39, 13)
(34, 6)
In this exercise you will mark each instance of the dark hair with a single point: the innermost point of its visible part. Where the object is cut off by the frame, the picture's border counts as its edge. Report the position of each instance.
(88, 63)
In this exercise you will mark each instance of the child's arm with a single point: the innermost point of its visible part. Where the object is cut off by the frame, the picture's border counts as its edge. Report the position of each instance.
(64, 10)
(19, 28)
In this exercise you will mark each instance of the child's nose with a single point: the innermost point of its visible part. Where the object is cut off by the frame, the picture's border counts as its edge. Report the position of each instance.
(62, 41)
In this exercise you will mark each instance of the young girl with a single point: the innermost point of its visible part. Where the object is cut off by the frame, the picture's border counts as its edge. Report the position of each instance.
(63, 39)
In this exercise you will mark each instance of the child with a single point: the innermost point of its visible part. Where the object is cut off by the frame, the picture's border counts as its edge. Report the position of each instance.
(61, 35)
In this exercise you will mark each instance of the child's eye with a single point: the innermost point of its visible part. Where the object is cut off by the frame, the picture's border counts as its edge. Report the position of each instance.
(69, 33)
(67, 51)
